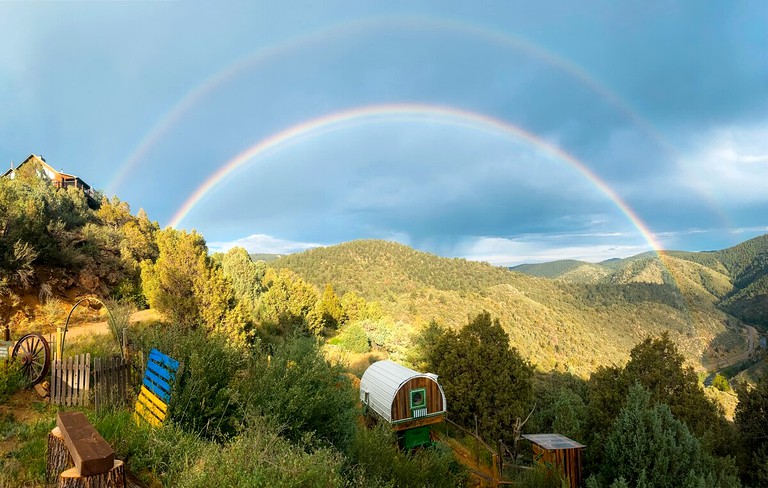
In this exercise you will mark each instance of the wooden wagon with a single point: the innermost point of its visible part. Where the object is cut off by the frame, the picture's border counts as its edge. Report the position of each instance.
(406, 399)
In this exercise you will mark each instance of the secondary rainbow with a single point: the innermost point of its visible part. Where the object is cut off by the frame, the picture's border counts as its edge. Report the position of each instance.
(275, 51)
(388, 112)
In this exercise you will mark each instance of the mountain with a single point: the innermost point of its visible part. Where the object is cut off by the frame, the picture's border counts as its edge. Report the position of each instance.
(572, 323)
(746, 266)
(567, 269)
(736, 276)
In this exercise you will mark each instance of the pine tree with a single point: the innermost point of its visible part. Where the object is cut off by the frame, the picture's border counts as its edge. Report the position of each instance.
(484, 379)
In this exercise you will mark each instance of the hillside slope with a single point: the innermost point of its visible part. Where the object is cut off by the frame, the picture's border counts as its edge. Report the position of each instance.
(558, 324)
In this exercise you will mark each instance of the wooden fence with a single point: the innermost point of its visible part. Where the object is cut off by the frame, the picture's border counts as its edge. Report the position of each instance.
(107, 381)
(71, 380)
(114, 382)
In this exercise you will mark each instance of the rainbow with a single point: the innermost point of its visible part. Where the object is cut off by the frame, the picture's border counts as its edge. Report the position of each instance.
(405, 111)
(210, 84)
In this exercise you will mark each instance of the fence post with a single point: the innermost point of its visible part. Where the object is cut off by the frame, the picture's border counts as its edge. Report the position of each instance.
(87, 389)
(96, 383)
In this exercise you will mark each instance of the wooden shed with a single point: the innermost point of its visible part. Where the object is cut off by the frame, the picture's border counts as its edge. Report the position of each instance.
(406, 399)
(558, 451)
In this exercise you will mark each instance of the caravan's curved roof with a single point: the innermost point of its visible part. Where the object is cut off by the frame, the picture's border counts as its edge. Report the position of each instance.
(382, 380)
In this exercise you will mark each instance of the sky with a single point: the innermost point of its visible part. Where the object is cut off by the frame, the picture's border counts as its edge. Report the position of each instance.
(501, 131)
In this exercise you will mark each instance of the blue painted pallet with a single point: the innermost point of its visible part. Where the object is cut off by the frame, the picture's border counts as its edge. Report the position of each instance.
(155, 395)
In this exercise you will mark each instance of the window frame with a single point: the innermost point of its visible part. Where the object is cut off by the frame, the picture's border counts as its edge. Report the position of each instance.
(423, 392)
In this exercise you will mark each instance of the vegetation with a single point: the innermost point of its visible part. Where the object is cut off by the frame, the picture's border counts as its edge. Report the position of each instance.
(491, 397)
(752, 422)
(606, 354)
(565, 325)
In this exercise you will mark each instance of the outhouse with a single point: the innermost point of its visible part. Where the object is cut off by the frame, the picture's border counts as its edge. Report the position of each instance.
(407, 400)
(558, 451)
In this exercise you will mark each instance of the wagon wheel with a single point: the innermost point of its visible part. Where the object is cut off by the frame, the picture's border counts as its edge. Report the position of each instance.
(35, 356)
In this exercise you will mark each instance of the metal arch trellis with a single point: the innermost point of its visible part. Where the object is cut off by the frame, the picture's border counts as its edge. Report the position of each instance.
(87, 299)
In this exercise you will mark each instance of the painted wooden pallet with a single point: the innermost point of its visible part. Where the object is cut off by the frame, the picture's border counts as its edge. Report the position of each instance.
(155, 395)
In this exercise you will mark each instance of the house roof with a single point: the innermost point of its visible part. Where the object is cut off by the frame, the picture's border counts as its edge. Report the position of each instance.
(553, 441)
(45, 166)
(382, 380)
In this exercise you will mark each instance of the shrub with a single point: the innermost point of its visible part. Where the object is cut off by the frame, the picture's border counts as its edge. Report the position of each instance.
(260, 457)
(353, 338)
(158, 455)
(375, 460)
(201, 401)
(301, 391)
(11, 380)
(721, 383)
(541, 476)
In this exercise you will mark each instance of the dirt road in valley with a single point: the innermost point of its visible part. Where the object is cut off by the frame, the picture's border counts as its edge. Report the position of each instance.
(752, 339)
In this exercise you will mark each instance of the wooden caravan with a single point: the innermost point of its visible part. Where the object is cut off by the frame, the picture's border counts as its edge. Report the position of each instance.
(558, 451)
(406, 399)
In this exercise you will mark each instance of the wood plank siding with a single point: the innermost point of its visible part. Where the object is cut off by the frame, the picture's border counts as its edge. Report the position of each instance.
(401, 405)
(568, 461)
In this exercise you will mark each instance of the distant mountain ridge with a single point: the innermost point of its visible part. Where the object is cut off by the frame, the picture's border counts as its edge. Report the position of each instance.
(744, 267)
(588, 315)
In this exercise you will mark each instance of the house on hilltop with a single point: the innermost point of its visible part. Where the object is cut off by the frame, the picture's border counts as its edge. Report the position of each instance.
(58, 178)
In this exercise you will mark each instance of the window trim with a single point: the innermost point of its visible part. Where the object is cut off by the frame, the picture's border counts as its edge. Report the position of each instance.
(423, 392)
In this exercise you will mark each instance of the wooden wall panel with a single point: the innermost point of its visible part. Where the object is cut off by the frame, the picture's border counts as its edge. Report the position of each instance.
(401, 405)
(567, 461)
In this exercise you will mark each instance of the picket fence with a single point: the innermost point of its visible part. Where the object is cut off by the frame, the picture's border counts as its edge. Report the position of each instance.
(105, 381)
(71, 380)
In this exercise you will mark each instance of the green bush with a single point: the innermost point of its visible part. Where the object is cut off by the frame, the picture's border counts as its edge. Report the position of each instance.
(11, 380)
(353, 338)
(201, 401)
(375, 460)
(721, 383)
(260, 457)
(541, 476)
(301, 391)
(157, 455)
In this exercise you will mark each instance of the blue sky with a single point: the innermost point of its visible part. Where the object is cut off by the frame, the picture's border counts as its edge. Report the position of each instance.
(661, 108)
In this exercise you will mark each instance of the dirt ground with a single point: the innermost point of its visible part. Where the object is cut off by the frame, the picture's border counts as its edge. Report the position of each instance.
(96, 328)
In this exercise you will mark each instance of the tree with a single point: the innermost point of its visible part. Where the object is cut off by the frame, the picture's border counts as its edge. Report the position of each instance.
(246, 276)
(648, 447)
(751, 419)
(328, 312)
(483, 378)
(288, 301)
(657, 365)
(169, 283)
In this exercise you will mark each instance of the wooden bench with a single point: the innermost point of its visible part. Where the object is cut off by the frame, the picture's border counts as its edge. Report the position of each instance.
(76, 443)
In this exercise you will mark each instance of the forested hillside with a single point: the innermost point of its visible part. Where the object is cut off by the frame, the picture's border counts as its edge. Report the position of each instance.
(736, 276)
(558, 324)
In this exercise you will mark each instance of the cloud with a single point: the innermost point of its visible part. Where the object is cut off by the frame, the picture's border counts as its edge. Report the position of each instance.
(543, 248)
(263, 244)
(730, 164)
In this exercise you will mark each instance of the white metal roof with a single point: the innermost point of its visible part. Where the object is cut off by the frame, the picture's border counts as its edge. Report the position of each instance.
(382, 380)
(553, 441)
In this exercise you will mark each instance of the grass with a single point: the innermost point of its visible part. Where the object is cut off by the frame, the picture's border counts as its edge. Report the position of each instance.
(24, 464)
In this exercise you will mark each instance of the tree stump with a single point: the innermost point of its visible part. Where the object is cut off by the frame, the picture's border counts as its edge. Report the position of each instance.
(113, 478)
(57, 456)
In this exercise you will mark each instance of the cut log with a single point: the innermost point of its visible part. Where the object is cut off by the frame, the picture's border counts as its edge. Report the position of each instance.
(90, 452)
(57, 455)
(113, 478)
